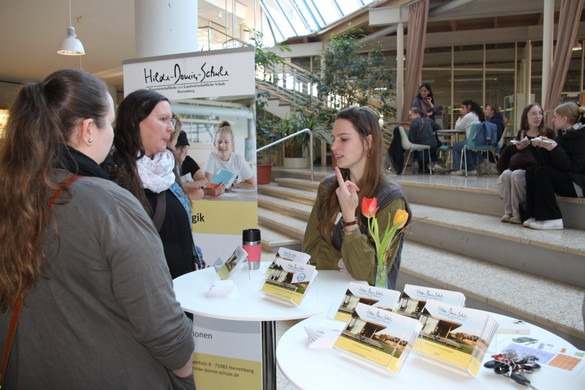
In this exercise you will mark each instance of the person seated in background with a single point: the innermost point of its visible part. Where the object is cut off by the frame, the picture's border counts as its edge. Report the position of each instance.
(493, 115)
(344, 243)
(225, 158)
(425, 102)
(421, 132)
(471, 113)
(192, 177)
(562, 171)
(515, 158)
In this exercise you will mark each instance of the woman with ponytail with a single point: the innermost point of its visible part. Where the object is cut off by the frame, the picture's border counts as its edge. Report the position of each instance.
(81, 265)
(337, 236)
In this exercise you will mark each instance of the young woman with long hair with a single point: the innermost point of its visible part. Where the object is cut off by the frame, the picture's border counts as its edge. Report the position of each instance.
(98, 309)
(337, 232)
(515, 158)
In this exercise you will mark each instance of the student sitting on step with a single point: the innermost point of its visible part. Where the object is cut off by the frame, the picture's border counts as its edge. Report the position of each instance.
(344, 243)
(562, 172)
(515, 158)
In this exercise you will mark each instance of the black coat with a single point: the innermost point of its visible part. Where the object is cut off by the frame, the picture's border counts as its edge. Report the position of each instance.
(569, 155)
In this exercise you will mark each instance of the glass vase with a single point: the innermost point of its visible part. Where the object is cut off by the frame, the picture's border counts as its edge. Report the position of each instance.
(381, 276)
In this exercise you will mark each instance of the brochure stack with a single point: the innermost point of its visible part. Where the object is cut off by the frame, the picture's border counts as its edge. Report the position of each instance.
(289, 277)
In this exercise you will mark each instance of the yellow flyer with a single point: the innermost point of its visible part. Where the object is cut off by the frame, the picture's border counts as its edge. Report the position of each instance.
(378, 336)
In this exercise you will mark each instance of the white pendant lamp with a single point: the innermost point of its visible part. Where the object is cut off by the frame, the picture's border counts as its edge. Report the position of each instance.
(71, 46)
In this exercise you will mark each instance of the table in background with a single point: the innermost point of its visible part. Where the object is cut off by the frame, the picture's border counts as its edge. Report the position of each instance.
(453, 136)
(248, 303)
(329, 369)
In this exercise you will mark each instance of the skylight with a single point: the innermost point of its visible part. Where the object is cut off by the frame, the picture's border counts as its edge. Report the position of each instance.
(290, 18)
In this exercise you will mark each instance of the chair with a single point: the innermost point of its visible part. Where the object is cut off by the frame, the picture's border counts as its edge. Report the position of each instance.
(471, 146)
(407, 145)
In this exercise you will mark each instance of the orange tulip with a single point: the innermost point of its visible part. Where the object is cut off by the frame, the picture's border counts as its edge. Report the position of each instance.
(400, 218)
(369, 207)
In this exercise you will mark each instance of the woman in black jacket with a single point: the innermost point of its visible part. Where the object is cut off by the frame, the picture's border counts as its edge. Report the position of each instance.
(562, 172)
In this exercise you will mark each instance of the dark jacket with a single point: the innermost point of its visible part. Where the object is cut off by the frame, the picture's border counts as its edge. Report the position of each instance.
(569, 155)
(421, 132)
(512, 158)
(498, 120)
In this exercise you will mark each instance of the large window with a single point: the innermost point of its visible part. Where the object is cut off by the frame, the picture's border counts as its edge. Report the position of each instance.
(289, 18)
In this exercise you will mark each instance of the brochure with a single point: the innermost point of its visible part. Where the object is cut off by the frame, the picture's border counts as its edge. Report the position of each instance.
(456, 336)
(288, 281)
(291, 255)
(236, 258)
(368, 295)
(378, 336)
(414, 297)
(222, 175)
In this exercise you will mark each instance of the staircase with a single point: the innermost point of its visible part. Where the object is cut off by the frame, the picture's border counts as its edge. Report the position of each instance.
(457, 242)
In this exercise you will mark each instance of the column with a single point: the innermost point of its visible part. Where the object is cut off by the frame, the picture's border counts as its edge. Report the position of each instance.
(165, 27)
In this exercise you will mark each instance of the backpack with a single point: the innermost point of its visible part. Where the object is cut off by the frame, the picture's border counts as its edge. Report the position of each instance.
(486, 135)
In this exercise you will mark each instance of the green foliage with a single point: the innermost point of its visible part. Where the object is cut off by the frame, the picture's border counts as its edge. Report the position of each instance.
(353, 75)
(263, 57)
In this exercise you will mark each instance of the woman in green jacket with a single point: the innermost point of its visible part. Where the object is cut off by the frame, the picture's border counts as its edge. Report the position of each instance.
(337, 233)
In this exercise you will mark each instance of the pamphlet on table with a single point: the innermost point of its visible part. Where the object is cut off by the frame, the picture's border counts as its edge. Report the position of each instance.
(414, 298)
(368, 295)
(288, 280)
(455, 336)
(379, 337)
(224, 270)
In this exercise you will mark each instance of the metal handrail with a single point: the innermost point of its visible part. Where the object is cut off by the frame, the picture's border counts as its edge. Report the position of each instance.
(292, 136)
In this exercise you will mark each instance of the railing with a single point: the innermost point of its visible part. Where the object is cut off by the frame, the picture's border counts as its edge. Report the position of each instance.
(292, 136)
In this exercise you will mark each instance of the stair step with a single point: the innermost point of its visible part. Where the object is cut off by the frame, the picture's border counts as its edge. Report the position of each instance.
(302, 184)
(556, 254)
(273, 239)
(302, 196)
(283, 223)
(319, 173)
(538, 299)
(287, 207)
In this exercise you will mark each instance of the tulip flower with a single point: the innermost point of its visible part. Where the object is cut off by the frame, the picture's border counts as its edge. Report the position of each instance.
(369, 208)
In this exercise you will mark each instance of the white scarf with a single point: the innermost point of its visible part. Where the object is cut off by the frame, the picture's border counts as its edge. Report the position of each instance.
(157, 173)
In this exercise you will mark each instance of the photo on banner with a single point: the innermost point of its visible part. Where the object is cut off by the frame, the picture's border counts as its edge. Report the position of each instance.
(207, 89)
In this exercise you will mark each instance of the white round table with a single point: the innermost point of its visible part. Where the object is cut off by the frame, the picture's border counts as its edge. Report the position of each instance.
(248, 303)
(329, 369)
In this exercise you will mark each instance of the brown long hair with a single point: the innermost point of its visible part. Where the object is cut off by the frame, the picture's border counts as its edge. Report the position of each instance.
(42, 117)
(365, 122)
(524, 126)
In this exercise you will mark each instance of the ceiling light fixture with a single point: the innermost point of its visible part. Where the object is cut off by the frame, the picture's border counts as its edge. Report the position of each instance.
(577, 46)
(71, 46)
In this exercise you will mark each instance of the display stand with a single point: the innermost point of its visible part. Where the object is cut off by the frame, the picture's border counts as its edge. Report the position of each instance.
(288, 281)
(378, 337)
(455, 337)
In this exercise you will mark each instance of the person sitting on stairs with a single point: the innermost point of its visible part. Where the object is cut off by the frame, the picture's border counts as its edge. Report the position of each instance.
(562, 172)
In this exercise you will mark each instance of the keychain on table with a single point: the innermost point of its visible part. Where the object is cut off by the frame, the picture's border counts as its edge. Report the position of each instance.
(509, 364)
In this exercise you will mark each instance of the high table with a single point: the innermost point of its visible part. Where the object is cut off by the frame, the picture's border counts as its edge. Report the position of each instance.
(248, 303)
(329, 369)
